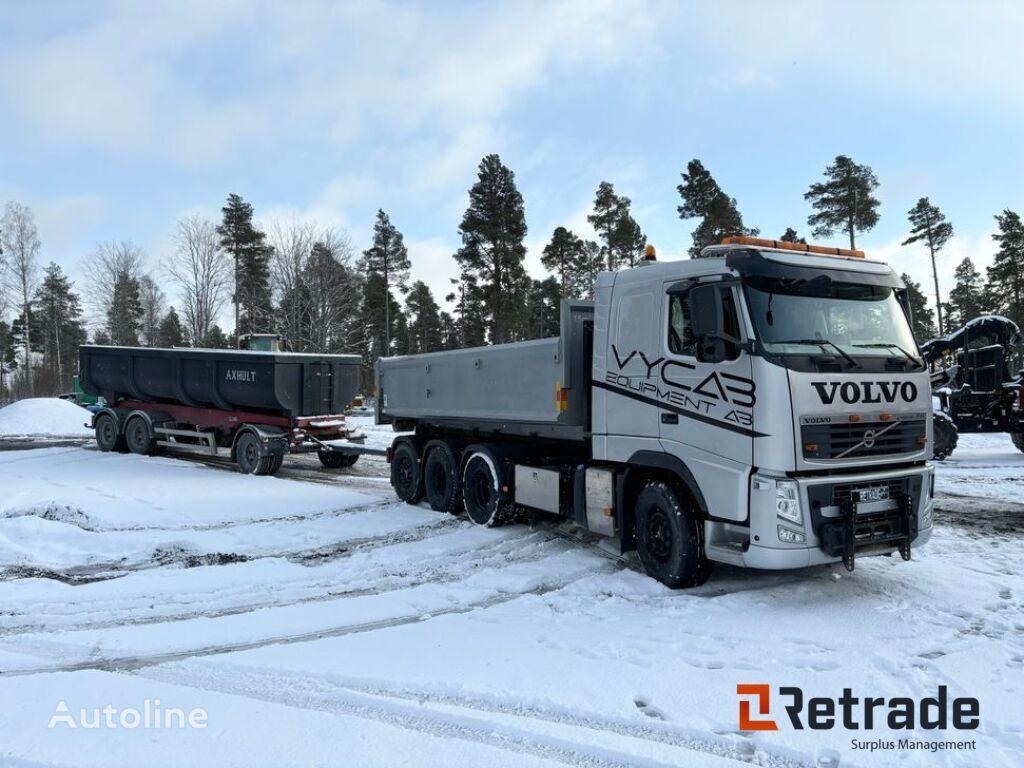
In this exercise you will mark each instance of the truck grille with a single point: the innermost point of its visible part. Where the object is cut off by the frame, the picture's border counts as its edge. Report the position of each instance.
(854, 440)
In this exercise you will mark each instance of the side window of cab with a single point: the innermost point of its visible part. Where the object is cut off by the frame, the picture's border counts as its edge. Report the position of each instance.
(681, 340)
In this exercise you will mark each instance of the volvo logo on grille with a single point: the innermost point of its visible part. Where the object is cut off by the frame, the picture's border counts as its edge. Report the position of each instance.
(869, 438)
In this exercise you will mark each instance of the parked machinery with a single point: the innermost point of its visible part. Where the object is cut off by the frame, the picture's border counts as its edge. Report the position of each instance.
(973, 386)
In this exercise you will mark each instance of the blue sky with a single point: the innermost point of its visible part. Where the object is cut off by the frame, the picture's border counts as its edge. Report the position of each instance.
(118, 118)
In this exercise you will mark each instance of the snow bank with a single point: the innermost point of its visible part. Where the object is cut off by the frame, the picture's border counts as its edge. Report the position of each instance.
(44, 416)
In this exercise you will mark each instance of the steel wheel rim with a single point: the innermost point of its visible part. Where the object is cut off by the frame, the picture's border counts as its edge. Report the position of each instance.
(659, 535)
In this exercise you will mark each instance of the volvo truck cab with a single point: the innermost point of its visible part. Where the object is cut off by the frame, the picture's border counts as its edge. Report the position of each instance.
(783, 386)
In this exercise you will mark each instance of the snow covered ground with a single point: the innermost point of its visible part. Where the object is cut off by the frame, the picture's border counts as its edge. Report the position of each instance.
(315, 621)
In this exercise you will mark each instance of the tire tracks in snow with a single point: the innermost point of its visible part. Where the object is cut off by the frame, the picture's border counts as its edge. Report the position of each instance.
(133, 662)
(414, 712)
(443, 568)
(165, 557)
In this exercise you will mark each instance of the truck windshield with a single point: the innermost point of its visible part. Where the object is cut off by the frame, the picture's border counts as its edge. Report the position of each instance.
(824, 317)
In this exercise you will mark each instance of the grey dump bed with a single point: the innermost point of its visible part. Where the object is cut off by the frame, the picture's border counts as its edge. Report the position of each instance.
(507, 387)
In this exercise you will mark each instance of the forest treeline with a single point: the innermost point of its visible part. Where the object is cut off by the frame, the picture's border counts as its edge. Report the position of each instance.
(313, 286)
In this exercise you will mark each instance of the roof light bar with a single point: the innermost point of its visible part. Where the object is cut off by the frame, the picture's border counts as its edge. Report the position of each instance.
(764, 243)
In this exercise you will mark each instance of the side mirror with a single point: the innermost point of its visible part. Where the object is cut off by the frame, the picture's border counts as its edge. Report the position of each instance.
(706, 313)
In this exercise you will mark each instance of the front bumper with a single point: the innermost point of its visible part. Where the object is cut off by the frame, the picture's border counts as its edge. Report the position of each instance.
(835, 526)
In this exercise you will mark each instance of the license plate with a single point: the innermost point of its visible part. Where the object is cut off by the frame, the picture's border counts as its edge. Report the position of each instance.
(874, 493)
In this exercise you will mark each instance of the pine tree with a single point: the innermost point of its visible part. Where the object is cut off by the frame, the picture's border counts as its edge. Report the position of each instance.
(592, 265)
(923, 319)
(170, 333)
(470, 327)
(844, 202)
(966, 297)
(929, 225)
(492, 252)
(425, 326)
(389, 258)
(248, 247)
(1005, 288)
(8, 359)
(611, 218)
(543, 306)
(791, 236)
(124, 319)
(214, 339)
(565, 256)
(703, 198)
(153, 301)
(58, 316)
(21, 249)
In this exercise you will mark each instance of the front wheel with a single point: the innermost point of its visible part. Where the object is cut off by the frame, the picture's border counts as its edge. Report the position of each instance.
(669, 537)
(945, 436)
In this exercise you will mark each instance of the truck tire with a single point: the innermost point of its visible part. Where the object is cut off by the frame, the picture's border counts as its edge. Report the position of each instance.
(406, 473)
(945, 436)
(480, 485)
(441, 482)
(107, 436)
(137, 437)
(335, 460)
(275, 465)
(250, 457)
(669, 537)
(1018, 440)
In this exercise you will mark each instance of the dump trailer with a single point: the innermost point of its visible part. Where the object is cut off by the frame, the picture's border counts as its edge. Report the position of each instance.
(765, 405)
(253, 407)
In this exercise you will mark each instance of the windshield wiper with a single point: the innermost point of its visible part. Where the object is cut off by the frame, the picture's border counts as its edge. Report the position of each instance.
(823, 343)
(890, 345)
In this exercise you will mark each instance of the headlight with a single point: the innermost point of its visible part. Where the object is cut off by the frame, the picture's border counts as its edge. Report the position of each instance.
(787, 501)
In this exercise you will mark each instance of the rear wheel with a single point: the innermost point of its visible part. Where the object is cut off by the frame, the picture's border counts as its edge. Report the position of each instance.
(107, 436)
(945, 436)
(250, 457)
(335, 460)
(275, 464)
(136, 435)
(1018, 440)
(406, 474)
(480, 489)
(669, 537)
(441, 481)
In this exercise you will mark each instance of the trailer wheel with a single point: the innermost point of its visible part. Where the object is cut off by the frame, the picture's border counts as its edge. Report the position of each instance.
(107, 436)
(669, 537)
(275, 465)
(406, 474)
(480, 491)
(1018, 440)
(441, 481)
(335, 460)
(250, 457)
(137, 437)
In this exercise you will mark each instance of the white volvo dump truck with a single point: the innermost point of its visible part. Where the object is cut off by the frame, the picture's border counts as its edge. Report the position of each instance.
(764, 405)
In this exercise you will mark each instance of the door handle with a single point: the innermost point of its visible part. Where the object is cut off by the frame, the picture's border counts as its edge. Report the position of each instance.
(670, 418)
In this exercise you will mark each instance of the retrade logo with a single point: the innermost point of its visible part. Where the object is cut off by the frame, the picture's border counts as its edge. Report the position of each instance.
(762, 696)
(854, 713)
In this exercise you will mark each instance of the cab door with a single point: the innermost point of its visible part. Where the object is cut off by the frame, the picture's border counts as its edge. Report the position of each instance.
(706, 414)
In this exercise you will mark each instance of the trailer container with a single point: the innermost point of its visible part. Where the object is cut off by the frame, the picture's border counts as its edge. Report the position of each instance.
(251, 406)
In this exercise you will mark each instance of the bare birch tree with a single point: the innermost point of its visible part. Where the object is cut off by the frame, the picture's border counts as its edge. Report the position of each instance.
(110, 262)
(21, 246)
(203, 272)
(292, 243)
